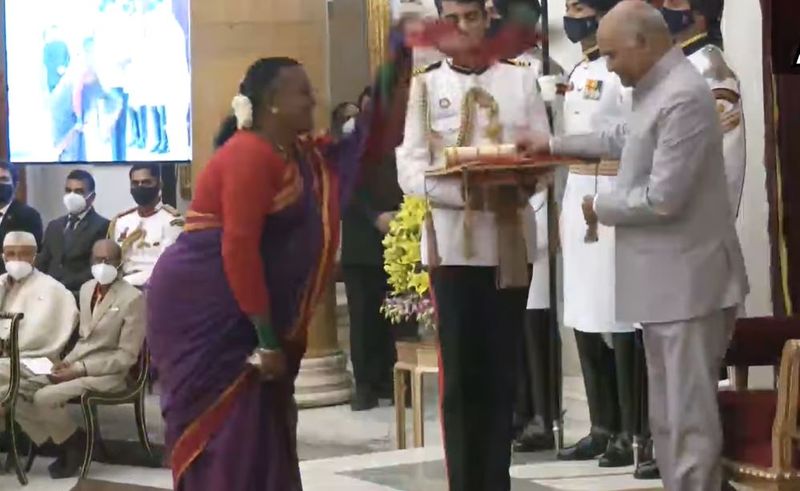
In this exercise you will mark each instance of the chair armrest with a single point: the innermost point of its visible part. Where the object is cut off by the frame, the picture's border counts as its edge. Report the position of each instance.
(784, 429)
(759, 341)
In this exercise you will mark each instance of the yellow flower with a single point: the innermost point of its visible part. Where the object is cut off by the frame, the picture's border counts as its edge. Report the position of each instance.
(402, 255)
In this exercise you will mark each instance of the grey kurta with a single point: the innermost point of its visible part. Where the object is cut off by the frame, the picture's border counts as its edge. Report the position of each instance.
(679, 265)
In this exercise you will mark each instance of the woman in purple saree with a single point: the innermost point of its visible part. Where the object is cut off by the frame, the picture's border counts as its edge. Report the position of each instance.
(230, 302)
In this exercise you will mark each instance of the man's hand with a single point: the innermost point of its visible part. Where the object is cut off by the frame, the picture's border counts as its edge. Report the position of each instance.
(384, 220)
(533, 144)
(59, 366)
(64, 373)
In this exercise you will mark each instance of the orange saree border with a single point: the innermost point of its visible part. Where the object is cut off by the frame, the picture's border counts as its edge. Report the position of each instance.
(195, 437)
(326, 185)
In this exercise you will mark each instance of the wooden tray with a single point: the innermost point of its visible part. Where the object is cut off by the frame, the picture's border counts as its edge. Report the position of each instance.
(539, 166)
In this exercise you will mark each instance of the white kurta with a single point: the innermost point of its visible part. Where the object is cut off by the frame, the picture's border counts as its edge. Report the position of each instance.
(51, 314)
(589, 267)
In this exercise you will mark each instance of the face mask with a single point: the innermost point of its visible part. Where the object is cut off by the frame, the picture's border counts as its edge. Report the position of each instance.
(349, 126)
(579, 29)
(677, 20)
(74, 203)
(144, 196)
(19, 269)
(105, 274)
(6, 193)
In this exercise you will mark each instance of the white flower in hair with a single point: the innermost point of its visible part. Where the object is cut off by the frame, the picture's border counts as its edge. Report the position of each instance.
(243, 110)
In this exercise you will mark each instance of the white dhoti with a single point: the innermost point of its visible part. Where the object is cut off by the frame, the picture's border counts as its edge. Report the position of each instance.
(588, 267)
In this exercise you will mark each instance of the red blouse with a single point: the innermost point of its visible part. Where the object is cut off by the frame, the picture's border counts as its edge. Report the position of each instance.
(239, 185)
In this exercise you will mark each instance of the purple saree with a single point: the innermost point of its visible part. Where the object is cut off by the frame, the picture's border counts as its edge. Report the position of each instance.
(225, 428)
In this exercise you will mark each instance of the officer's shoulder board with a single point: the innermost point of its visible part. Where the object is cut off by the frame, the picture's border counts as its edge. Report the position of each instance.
(516, 62)
(126, 212)
(112, 225)
(427, 68)
(177, 220)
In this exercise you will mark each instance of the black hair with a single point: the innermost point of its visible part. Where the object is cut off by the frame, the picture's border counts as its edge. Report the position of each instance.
(711, 10)
(367, 92)
(481, 3)
(12, 169)
(154, 169)
(259, 77)
(503, 6)
(82, 175)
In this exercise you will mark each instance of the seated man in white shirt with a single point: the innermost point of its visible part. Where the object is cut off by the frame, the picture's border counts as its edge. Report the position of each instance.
(112, 330)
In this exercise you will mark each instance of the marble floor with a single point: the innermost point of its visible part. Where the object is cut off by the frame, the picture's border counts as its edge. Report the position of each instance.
(342, 450)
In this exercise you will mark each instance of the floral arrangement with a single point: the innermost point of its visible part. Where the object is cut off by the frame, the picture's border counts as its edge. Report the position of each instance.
(409, 298)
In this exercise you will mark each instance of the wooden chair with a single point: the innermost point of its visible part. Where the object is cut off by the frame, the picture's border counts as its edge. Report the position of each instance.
(135, 394)
(760, 427)
(9, 400)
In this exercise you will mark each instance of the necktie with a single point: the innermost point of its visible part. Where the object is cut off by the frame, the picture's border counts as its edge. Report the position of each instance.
(72, 220)
(70, 230)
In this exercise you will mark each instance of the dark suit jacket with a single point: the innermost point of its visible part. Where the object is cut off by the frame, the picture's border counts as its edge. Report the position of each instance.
(20, 218)
(71, 265)
(377, 192)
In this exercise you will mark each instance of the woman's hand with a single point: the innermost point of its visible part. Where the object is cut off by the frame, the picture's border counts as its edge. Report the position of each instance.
(271, 364)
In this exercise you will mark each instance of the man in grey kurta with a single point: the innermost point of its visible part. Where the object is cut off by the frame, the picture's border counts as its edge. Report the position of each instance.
(679, 266)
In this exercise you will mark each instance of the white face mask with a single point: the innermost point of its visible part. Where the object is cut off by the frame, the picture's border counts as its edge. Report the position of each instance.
(349, 126)
(19, 269)
(105, 274)
(74, 203)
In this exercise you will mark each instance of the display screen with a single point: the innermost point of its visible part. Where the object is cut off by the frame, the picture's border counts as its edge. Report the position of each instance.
(98, 81)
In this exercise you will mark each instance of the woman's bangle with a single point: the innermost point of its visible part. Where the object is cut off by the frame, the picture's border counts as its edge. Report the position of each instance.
(266, 337)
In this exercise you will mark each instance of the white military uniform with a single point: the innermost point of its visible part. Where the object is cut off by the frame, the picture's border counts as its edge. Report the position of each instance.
(144, 239)
(710, 62)
(433, 122)
(595, 99)
(539, 292)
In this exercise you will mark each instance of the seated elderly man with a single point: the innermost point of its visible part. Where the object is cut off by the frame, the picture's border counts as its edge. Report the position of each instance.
(111, 335)
(49, 308)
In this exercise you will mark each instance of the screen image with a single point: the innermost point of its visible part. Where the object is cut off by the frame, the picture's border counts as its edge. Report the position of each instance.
(98, 81)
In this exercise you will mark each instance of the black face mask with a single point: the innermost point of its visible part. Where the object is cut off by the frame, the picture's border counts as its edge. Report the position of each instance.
(6, 193)
(143, 195)
(579, 29)
(677, 20)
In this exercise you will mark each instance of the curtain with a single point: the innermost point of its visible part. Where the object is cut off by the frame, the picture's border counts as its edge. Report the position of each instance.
(782, 154)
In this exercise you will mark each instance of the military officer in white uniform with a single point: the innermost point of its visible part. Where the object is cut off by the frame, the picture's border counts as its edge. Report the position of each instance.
(595, 99)
(479, 321)
(695, 26)
(146, 231)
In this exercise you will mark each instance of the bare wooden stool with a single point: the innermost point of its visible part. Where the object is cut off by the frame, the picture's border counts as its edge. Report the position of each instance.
(414, 359)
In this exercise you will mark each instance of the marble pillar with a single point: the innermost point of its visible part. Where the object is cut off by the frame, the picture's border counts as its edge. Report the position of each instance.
(324, 379)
